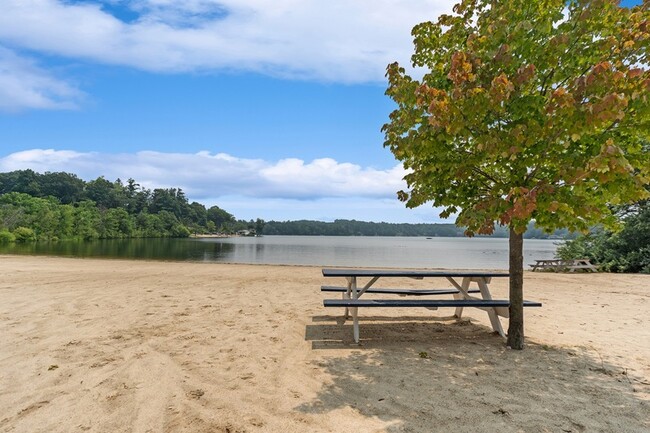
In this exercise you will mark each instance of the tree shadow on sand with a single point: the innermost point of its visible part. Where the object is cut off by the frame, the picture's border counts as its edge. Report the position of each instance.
(412, 375)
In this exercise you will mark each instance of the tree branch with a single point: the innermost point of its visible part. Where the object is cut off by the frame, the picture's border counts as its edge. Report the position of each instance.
(484, 174)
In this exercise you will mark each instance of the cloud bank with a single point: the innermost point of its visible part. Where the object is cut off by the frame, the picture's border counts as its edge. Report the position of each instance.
(202, 175)
(288, 189)
(334, 41)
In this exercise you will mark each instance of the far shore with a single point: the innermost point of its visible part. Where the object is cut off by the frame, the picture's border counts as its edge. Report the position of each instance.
(147, 346)
(199, 236)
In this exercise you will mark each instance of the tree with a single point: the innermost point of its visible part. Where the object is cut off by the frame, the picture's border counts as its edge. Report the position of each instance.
(137, 198)
(66, 187)
(171, 200)
(220, 217)
(197, 217)
(527, 111)
(25, 181)
(86, 217)
(102, 192)
(114, 223)
(259, 226)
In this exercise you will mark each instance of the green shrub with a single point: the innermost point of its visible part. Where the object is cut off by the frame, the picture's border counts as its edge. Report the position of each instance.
(179, 231)
(24, 234)
(625, 251)
(6, 237)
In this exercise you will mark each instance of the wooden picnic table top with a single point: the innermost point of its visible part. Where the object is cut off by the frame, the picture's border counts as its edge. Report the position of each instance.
(411, 273)
(570, 265)
(561, 260)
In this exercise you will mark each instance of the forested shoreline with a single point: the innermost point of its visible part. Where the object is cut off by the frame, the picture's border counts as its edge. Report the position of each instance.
(53, 206)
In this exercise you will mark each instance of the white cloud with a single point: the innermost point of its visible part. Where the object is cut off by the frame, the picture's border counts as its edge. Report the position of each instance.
(25, 85)
(325, 209)
(204, 174)
(338, 179)
(335, 40)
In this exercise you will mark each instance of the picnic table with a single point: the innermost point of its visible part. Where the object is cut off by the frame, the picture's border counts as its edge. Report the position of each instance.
(460, 281)
(558, 265)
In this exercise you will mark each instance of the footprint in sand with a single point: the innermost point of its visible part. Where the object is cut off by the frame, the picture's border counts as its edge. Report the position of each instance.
(247, 376)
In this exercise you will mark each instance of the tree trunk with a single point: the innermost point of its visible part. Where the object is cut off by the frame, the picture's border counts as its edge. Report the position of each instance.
(516, 323)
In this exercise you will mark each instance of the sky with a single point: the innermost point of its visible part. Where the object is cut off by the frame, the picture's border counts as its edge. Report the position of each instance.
(267, 109)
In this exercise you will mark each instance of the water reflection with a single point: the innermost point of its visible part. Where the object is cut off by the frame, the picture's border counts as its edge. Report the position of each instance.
(148, 249)
(403, 252)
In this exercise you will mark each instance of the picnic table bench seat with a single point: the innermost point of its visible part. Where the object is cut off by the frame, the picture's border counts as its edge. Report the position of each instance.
(498, 307)
(402, 292)
(426, 303)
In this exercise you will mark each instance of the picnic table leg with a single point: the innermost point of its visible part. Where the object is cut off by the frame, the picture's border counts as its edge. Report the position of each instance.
(352, 286)
(355, 310)
(494, 319)
(352, 293)
(355, 324)
(465, 285)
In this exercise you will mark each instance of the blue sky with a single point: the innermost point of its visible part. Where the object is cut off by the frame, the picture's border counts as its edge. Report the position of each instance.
(266, 109)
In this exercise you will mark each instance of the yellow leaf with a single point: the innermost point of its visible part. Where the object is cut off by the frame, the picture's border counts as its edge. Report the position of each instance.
(575, 137)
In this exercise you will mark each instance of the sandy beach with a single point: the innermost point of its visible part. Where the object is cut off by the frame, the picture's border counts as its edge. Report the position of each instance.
(140, 346)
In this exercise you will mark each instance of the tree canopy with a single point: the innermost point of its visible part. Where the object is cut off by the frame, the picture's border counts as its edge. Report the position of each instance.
(526, 111)
(49, 206)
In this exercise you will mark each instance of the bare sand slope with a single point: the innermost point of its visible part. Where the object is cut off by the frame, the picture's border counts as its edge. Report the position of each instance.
(134, 346)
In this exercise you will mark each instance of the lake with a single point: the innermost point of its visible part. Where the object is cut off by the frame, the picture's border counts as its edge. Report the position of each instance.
(399, 252)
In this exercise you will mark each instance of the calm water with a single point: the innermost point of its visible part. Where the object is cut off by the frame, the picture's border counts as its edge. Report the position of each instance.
(400, 252)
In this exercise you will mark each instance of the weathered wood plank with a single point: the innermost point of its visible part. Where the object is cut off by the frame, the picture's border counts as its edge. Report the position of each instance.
(409, 292)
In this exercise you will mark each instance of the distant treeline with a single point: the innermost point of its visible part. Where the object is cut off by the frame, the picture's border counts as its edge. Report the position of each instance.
(358, 228)
(362, 228)
(60, 205)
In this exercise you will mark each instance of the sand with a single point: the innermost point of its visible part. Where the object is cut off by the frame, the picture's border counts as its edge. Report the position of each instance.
(137, 346)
